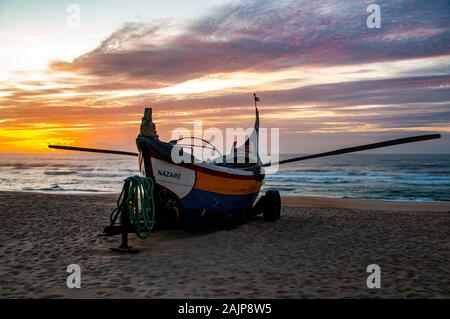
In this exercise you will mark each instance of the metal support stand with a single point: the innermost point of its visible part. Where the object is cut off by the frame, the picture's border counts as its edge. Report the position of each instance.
(126, 224)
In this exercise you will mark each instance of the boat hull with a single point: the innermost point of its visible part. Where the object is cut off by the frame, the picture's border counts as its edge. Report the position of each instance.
(201, 189)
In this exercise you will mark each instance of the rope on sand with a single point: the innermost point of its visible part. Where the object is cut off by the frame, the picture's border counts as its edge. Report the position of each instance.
(137, 197)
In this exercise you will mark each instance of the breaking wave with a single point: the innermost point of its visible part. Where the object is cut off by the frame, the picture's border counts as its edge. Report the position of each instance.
(60, 172)
(104, 175)
(37, 165)
(58, 188)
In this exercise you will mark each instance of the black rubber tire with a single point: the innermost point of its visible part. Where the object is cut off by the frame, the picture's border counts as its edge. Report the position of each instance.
(271, 206)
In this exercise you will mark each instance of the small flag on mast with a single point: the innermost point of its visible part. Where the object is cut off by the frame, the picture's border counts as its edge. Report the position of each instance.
(257, 99)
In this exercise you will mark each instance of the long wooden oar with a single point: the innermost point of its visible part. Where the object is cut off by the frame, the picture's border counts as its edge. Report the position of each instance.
(365, 147)
(92, 150)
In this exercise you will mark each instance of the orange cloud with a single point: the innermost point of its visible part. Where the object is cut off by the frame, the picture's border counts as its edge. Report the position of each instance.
(317, 71)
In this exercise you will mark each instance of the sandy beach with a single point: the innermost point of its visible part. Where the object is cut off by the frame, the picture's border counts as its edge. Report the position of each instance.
(319, 249)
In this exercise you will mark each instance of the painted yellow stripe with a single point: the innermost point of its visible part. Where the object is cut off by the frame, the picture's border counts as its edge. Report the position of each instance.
(226, 185)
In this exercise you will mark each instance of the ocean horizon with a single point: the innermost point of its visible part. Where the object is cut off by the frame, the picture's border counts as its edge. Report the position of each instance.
(400, 177)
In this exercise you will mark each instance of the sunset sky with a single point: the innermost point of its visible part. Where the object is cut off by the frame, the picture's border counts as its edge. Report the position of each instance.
(324, 78)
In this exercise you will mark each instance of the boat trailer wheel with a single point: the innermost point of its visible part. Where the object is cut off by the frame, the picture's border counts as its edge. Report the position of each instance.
(271, 206)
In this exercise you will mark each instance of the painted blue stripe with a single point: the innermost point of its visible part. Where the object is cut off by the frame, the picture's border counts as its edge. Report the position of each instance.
(199, 200)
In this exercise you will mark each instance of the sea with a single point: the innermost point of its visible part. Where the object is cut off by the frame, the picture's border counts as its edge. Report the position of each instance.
(366, 176)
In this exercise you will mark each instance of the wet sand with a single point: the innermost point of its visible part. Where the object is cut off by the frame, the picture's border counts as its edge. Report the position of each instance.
(319, 249)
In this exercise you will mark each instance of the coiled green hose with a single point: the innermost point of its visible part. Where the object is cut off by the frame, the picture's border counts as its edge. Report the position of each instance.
(140, 202)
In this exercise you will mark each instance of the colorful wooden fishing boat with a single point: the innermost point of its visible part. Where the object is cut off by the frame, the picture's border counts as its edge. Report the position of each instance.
(201, 189)
(195, 191)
